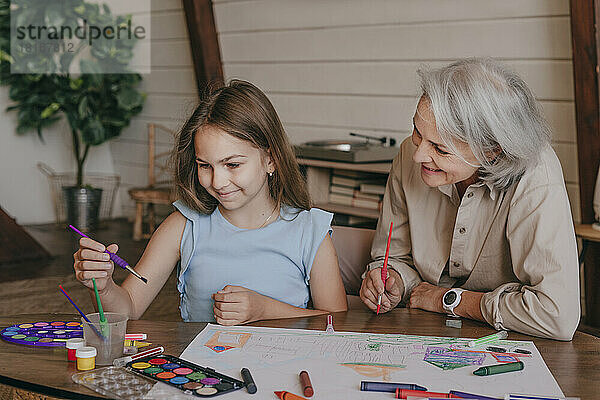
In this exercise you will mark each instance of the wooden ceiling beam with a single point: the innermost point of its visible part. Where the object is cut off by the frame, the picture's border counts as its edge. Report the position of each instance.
(204, 42)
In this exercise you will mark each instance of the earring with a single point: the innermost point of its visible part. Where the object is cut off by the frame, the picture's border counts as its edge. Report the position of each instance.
(271, 174)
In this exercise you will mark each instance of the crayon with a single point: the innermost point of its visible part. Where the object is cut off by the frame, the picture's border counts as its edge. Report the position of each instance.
(283, 395)
(402, 393)
(499, 368)
(248, 380)
(521, 351)
(369, 386)
(489, 338)
(496, 349)
(307, 388)
(466, 395)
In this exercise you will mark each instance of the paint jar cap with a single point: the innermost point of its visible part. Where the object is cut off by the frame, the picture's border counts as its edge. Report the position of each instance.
(86, 352)
(75, 343)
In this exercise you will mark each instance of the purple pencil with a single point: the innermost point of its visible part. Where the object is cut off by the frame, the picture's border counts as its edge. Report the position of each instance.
(80, 312)
(116, 259)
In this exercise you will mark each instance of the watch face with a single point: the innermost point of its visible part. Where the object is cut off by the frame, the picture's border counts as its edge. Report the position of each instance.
(449, 298)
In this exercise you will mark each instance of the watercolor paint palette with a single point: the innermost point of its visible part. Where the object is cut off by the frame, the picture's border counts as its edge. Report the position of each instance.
(184, 375)
(53, 333)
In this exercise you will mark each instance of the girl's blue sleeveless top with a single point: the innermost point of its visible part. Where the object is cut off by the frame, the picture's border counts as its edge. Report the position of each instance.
(274, 261)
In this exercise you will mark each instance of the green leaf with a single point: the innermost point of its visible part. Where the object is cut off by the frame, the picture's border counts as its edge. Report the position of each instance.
(129, 98)
(93, 132)
(83, 109)
(4, 56)
(50, 110)
(75, 84)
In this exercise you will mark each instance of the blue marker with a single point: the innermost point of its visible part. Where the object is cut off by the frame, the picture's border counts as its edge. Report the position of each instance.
(515, 396)
(367, 386)
(465, 395)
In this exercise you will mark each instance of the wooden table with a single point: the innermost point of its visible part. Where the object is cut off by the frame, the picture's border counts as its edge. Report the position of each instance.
(575, 365)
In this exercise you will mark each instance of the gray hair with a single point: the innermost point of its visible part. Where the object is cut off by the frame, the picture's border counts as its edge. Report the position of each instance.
(482, 103)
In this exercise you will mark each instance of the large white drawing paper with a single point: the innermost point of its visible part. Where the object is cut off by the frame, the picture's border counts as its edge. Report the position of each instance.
(338, 362)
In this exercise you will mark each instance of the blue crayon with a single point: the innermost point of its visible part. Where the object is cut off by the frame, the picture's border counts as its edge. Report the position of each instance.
(368, 386)
(465, 395)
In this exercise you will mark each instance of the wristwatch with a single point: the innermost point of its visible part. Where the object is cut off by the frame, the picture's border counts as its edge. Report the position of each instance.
(451, 300)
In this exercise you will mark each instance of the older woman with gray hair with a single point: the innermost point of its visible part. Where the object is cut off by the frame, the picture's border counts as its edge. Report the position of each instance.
(482, 223)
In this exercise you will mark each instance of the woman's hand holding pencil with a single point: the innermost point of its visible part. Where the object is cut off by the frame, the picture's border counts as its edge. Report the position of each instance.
(372, 286)
(381, 290)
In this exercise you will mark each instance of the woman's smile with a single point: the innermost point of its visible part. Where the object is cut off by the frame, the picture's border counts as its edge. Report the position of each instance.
(430, 171)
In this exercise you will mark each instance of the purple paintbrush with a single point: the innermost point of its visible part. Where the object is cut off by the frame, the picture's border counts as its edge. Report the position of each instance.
(116, 259)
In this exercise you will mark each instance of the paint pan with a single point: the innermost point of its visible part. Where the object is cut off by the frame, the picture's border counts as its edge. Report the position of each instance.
(184, 375)
(42, 333)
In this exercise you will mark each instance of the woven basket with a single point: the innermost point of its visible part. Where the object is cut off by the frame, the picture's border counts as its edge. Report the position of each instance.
(108, 183)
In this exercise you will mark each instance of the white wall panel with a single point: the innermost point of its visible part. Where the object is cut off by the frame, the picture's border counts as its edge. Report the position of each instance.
(331, 67)
(529, 38)
(294, 14)
(547, 79)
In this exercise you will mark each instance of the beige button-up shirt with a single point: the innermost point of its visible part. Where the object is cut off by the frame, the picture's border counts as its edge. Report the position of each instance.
(517, 246)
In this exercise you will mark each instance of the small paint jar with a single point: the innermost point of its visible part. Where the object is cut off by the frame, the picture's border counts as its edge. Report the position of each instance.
(72, 345)
(86, 358)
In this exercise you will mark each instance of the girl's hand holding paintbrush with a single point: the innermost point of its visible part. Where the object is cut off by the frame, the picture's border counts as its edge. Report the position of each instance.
(372, 287)
(92, 262)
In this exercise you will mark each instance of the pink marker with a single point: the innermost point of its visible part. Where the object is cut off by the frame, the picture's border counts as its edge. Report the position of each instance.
(136, 336)
(120, 362)
(329, 328)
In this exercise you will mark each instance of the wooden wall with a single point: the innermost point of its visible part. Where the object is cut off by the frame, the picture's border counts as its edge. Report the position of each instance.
(331, 66)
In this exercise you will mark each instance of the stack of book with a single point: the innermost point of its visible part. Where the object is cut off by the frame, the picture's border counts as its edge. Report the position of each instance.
(357, 189)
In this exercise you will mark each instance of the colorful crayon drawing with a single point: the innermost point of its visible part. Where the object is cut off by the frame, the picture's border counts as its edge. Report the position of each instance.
(338, 362)
(223, 341)
(374, 370)
(505, 358)
(445, 358)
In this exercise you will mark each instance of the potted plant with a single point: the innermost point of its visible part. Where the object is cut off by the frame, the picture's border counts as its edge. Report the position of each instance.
(97, 105)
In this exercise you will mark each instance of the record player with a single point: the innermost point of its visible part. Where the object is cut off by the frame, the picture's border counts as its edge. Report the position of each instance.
(370, 149)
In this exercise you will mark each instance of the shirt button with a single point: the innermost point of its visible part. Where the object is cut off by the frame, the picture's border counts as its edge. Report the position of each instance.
(455, 264)
(469, 195)
(462, 230)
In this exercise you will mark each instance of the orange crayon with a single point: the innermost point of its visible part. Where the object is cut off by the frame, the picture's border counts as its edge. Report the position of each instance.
(283, 395)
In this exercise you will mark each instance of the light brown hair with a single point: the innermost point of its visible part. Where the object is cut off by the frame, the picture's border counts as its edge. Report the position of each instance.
(243, 111)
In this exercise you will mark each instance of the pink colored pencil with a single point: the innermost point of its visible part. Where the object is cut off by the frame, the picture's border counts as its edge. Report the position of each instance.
(384, 268)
